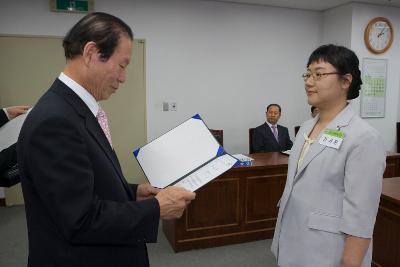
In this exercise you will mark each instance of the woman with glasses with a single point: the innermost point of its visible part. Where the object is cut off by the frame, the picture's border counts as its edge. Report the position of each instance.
(328, 209)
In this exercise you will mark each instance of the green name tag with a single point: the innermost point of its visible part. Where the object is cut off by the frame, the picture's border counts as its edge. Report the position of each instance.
(332, 138)
(334, 133)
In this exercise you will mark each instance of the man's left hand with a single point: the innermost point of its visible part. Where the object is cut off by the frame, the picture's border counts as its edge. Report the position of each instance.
(145, 191)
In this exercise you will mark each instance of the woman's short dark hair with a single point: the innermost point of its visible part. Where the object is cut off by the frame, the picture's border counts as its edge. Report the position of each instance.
(344, 60)
(102, 28)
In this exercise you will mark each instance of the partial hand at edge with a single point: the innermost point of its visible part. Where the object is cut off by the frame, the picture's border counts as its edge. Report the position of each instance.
(15, 111)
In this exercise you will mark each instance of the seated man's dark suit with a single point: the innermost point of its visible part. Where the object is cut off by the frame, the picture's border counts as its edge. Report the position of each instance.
(263, 139)
(8, 156)
(80, 210)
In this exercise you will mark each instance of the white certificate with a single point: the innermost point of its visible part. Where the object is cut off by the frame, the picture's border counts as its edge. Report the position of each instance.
(180, 152)
(9, 132)
(207, 173)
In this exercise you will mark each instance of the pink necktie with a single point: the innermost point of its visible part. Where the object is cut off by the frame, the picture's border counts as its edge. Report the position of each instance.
(103, 121)
(275, 132)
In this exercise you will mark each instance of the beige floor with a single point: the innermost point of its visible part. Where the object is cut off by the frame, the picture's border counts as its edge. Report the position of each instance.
(14, 248)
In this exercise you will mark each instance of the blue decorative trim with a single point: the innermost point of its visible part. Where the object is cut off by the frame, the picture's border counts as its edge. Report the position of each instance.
(220, 151)
(197, 117)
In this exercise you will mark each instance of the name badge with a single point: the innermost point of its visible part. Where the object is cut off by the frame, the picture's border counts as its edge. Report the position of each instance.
(331, 138)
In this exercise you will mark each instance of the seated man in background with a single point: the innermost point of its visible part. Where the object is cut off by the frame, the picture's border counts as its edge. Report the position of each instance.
(269, 136)
(8, 156)
(314, 111)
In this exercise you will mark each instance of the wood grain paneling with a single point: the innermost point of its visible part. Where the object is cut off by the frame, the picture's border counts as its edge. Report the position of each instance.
(205, 212)
(238, 206)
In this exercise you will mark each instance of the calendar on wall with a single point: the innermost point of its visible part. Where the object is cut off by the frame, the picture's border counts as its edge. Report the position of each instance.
(373, 91)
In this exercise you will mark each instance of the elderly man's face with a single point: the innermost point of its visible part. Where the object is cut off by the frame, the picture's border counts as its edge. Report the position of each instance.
(107, 75)
(273, 114)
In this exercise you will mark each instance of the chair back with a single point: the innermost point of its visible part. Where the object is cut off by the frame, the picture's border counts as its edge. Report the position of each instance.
(219, 135)
(398, 136)
(251, 149)
(10, 177)
(296, 129)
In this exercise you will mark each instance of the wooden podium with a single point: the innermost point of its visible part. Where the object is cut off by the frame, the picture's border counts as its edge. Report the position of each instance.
(240, 205)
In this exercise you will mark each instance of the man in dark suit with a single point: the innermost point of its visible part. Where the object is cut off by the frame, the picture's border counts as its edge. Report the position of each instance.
(80, 210)
(8, 156)
(269, 136)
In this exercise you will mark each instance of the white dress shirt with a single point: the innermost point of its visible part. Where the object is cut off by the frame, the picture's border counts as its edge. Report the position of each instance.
(272, 130)
(86, 97)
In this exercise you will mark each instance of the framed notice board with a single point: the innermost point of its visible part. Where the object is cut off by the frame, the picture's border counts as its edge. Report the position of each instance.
(373, 92)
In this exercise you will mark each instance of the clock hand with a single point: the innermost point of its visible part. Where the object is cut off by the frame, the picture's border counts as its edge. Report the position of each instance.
(382, 32)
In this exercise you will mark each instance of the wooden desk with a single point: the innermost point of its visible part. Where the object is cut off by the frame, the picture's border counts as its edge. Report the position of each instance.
(386, 239)
(240, 205)
(392, 165)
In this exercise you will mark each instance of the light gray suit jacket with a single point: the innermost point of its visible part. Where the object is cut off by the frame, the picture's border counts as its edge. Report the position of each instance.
(334, 193)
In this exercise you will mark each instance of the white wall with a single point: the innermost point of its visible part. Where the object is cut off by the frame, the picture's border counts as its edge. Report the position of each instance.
(228, 62)
(360, 18)
(336, 27)
(225, 61)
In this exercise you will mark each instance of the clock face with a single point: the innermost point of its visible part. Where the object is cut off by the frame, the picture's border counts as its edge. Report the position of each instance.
(378, 35)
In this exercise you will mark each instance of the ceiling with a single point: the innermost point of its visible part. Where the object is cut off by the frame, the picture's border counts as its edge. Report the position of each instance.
(318, 5)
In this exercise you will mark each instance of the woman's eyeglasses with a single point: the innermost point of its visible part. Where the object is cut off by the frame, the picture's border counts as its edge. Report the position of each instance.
(316, 75)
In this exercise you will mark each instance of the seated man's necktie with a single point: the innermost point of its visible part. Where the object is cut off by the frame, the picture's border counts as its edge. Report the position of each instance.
(275, 132)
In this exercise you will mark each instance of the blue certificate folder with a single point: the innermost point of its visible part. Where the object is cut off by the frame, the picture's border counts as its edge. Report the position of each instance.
(187, 155)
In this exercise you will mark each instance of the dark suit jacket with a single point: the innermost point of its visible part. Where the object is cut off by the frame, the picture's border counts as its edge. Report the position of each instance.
(264, 140)
(8, 156)
(80, 210)
(3, 117)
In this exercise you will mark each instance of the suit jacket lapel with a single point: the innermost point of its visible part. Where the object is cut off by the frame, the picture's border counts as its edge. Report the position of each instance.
(281, 137)
(341, 120)
(297, 147)
(95, 130)
(92, 126)
(314, 150)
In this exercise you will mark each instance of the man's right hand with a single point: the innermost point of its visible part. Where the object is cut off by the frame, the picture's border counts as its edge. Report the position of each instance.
(173, 201)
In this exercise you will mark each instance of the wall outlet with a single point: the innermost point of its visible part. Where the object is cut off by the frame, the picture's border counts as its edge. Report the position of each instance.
(173, 106)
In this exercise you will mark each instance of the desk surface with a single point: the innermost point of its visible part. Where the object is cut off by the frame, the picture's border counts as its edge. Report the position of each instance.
(281, 159)
(391, 189)
(265, 161)
(278, 159)
(393, 154)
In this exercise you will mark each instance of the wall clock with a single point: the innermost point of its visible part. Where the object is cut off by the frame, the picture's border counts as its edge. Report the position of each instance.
(378, 35)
